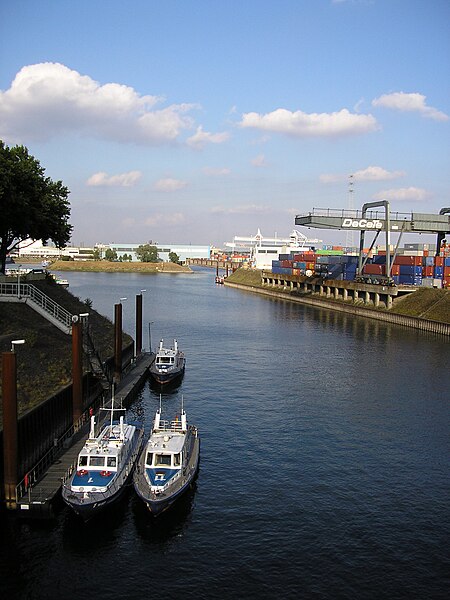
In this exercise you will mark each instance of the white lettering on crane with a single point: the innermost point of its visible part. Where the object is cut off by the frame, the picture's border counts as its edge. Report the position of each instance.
(362, 223)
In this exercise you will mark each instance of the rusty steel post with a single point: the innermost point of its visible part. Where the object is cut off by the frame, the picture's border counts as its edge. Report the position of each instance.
(138, 324)
(217, 268)
(77, 371)
(117, 341)
(10, 436)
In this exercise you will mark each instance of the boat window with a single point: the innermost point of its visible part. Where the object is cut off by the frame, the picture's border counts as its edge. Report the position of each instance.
(148, 462)
(97, 461)
(177, 460)
(163, 460)
(164, 360)
(82, 462)
(111, 462)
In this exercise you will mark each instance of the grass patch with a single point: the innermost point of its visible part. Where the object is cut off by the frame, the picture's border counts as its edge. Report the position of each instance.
(104, 266)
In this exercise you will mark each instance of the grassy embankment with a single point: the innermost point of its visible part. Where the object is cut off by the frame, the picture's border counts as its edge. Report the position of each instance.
(426, 303)
(44, 362)
(105, 266)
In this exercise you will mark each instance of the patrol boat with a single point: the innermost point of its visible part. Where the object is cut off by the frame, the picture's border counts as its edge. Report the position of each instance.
(169, 364)
(104, 466)
(168, 463)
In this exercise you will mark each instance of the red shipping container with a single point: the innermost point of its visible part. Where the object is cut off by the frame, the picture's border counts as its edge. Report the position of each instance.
(427, 271)
(372, 269)
(395, 270)
(286, 264)
(438, 261)
(411, 261)
(310, 266)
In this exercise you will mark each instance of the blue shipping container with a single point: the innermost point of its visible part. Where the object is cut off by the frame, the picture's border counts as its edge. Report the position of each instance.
(409, 270)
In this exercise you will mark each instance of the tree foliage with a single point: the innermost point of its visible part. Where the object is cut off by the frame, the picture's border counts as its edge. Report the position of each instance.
(173, 257)
(32, 205)
(147, 253)
(110, 255)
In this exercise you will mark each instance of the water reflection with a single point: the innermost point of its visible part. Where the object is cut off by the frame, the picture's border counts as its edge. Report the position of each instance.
(170, 524)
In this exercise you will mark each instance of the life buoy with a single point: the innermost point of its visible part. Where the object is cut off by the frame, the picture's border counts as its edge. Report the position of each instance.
(105, 473)
(82, 472)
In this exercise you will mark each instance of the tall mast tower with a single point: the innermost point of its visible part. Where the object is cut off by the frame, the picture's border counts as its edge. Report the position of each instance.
(349, 239)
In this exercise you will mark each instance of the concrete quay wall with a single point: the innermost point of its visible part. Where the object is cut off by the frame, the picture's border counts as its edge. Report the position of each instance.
(342, 306)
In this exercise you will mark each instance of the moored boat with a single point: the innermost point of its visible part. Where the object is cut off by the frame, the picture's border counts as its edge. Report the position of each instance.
(168, 463)
(104, 466)
(169, 364)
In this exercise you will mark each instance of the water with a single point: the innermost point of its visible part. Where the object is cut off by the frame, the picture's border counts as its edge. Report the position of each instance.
(324, 460)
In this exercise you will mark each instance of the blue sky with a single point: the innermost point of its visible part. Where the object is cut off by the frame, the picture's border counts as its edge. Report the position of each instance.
(194, 121)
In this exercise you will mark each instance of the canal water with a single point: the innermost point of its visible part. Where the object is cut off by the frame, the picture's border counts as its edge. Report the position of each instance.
(324, 460)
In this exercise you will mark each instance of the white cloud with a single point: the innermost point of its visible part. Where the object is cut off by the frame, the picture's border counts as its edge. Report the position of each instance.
(368, 174)
(300, 124)
(410, 194)
(200, 138)
(259, 161)
(169, 185)
(376, 174)
(49, 99)
(216, 172)
(248, 209)
(122, 180)
(165, 219)
(409, 103)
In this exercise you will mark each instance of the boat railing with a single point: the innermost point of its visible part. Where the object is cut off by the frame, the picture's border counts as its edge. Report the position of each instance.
(174, 425)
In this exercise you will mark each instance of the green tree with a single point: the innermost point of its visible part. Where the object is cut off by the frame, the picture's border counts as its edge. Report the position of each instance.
(32, 205)
(96, 254)
(147, 253)
(173, 257)
(110, 255)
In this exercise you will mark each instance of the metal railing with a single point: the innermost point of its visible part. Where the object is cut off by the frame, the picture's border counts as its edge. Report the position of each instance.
(354, 213)
(26, 485)
(28, 291)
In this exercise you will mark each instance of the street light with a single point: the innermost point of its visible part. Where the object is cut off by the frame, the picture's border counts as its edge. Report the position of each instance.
(18, 280)
(150, 323)
(15, 343)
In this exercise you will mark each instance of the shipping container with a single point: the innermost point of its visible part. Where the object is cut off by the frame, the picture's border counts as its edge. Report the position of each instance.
(408, 260)
(409, 270)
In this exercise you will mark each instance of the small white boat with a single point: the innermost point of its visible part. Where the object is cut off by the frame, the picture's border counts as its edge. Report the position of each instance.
(168, 463)
(169, 364)
(104, 466)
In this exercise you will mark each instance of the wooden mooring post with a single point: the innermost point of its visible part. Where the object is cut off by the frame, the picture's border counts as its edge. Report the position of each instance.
(138, 324)
(77, 370)
(10, 444)
(117, 342)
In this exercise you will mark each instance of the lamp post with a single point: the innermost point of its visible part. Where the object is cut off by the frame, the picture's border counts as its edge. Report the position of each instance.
(150, 323)
(18, 280)
(15, 343)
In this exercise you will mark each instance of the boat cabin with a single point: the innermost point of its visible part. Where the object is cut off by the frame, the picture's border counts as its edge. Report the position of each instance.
(165, 451)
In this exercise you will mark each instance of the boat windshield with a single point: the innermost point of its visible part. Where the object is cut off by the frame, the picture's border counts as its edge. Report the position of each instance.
(83, 461)
(165, 360)
(163, 460)
(97, 461)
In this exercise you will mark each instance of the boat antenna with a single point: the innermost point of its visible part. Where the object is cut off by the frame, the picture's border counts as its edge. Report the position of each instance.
(160, 398)
(182, 404)
(112, 405)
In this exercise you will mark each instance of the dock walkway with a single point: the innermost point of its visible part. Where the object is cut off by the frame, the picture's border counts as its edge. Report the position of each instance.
(38, 500)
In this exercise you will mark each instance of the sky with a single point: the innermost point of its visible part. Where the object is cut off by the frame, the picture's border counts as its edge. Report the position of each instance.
(194, 121)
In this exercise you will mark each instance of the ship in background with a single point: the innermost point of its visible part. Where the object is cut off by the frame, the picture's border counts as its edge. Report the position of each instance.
(263, 250)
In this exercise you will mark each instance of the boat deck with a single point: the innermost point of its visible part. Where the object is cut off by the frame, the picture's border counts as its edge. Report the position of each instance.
(37, 502)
